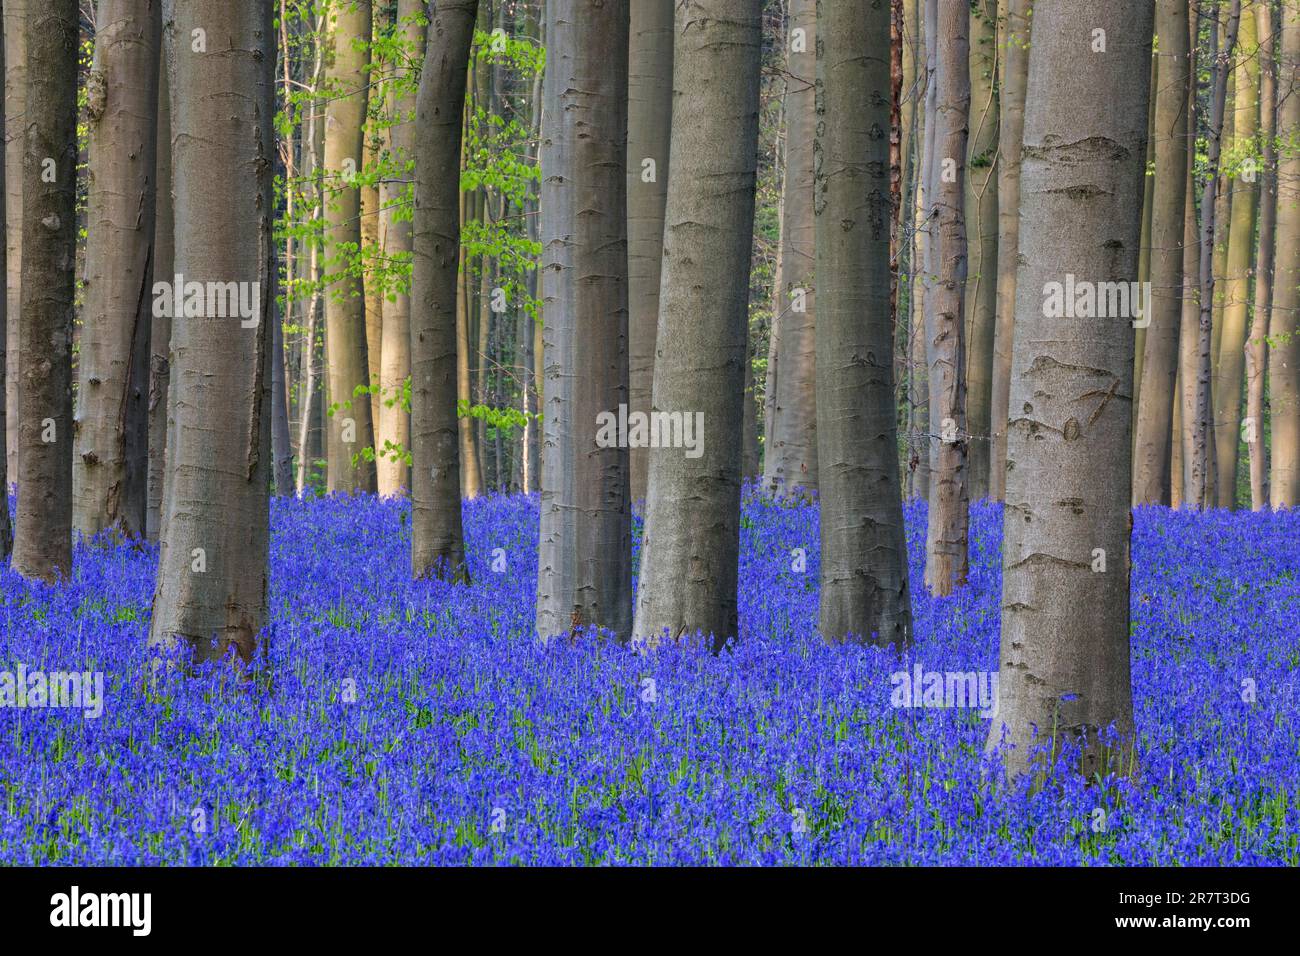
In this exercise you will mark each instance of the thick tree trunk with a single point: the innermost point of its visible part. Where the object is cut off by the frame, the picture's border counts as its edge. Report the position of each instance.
(1151, 464)
(109, 476)
(212, 573)
(1241, 252)
(584, 567)
(1256, 345)
(982, 217)
(1067, 520)
(394, 430)
(1284, 340)
(691, 542)
(864, 580)
(160, 326)
(437, 538)
(790, 455)
(43, 532)
(1015, 75)
(946, 561)
(15, 79)
(347, 362)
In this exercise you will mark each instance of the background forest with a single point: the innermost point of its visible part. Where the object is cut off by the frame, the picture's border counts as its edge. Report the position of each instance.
(651, 431)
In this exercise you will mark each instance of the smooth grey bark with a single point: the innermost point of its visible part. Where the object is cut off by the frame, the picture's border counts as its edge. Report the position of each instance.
(1284, 340)
(43, 530)
(210, 597)
(1015, 76)
(1154, 440)
(864, 577)
(160, 326)
(946, 557)
(584, 566)
(790, 453)
(437, 537)
(110, 460)
(691, 541)
(1257, 341)
(350, 428)
(649, 121)
(6, 529)
(921, 417)
(1065, 674)
(15, 79)
(1202, 423)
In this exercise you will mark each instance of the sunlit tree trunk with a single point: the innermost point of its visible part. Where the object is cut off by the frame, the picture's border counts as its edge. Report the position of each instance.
(1257, 344)
(1284, 340)
(15, 79)
(160, 326)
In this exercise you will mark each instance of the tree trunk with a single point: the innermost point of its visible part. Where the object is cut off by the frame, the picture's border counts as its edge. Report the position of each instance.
(691, 541)
(946, 562)
(109, 476)
(982, 215)
(212, 572)
(43, 532)
(584, 567)
(1256, 345)
(6, 530)
(1015, 75)
(437, 538)
(395, 345)
(790, 456)
(350, 426)
(1067, 520)
(15, 77)
(160, 326)
(1284, 340)
(1151, 464)
(864, 581)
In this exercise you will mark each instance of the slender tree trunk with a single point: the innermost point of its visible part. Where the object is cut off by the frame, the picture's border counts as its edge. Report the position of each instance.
(1201, 427)
(691, 541)
(437, 538)
(395, 346)
(6, 530)
(1256, 345)
(528, 326)
(212, 573)
(1067, 520)
(1015, 75)
(982, 215)
(1241, 252)
(43, 532)
(109, 478)
(350, 425)
(15, 77)
(790, 456)
(160, 326)
(921, 411)
(1284, 331)
(946, 562)
(1189, 346)
(1151, 464)
(864, 581)
(471, 478)
(584, 568)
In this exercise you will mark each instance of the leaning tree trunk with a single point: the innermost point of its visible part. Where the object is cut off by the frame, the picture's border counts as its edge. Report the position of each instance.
(1230, 356)
(1256, 344)
(1065, 674)
(109, 476)
(43, 531)
(211, 592)
(584, 566)
(946, 560)
(160, 326)
(351, 429)
(393, 438)
(790, 452)
(1284, 329)
(649, 118)
(982, 217)
(437, 538)
(15, 80)
(864, 585)
(1152, 451)
(1015, 74)
(691, 542)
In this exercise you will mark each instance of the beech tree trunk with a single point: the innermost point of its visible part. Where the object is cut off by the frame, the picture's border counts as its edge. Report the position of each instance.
(864, 577)
(1065, 674)
(15, 78)
(6, 530)
(691, 541)
(212, 574)
(43, 530)
(1284, 340)
(160, 326)
(437, 538)
(1257, 344)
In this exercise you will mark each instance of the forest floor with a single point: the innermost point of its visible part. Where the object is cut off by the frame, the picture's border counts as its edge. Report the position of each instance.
(421, 723)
